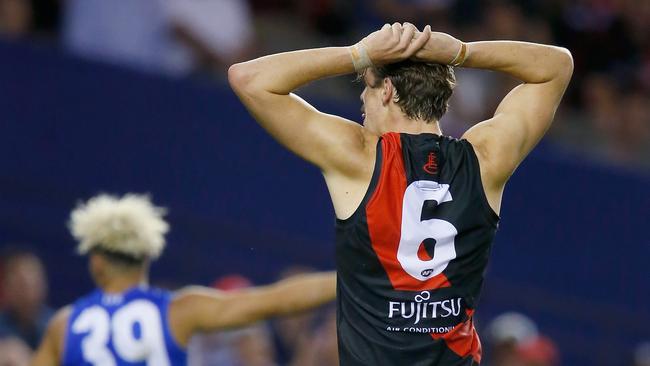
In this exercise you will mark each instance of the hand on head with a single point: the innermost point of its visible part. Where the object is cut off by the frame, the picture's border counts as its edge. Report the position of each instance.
(394, 43)
(440, 48)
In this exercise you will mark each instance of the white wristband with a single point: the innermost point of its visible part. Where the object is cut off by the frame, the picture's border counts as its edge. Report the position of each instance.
(360, 58)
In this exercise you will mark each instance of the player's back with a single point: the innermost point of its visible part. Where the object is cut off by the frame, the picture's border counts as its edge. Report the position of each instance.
(130, 328)
(411, 259)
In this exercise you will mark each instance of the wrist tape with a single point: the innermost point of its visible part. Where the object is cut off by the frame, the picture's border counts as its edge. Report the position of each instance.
(360, 58)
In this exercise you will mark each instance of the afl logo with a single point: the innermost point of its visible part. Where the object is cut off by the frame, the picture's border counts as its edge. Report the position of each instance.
(427, 272)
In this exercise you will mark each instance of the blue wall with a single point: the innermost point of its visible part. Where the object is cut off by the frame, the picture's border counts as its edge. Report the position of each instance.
(572, 249)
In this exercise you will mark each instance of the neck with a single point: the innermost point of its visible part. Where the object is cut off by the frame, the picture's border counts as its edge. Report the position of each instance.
(123, 282)
(416, 127)
(399, 122)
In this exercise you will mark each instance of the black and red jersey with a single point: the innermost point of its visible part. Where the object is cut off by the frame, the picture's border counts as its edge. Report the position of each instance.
(412, 257)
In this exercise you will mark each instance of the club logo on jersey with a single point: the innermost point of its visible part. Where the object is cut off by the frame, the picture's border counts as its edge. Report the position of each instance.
(422, 308)
(431, 166)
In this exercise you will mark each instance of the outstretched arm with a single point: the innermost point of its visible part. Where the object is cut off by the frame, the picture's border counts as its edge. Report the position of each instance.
(332, 143)
(199, 309)
(524, 115)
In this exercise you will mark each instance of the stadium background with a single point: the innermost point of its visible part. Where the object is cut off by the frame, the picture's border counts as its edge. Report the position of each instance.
(82, 115)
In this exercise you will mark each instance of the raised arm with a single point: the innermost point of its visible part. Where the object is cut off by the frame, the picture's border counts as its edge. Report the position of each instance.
(527, 112)
(524, 115)
(332, 143)
(199, 309)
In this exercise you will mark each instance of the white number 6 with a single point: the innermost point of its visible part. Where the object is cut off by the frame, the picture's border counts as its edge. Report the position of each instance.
(415, 231)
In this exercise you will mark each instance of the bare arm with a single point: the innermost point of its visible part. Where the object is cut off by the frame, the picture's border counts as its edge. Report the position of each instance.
(524, 115)
(264, 86)
(332, 143)
(50, 350)
(198, 309)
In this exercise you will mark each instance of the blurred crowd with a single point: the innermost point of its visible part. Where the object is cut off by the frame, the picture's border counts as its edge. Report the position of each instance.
(306, 339)
(605, 115)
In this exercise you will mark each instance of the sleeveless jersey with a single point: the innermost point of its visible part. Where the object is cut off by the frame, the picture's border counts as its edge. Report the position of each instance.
(411, 259)
(125, 329)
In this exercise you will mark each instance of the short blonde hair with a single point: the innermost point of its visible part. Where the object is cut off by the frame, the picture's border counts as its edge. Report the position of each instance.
(130, 225)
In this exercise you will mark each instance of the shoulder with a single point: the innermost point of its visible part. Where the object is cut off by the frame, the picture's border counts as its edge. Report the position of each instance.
(189, 307)
(191, 294)
(190, 303)
(190, 300)
(60, 318)
(156, 294)
(58, 325)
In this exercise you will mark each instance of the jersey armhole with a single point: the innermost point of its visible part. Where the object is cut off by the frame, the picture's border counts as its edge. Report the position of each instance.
(371, 188)
(171, 338)
(492, 217)
(63, 342)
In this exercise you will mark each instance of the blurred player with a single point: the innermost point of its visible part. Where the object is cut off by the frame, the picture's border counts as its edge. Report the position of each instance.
(417, 211)
(125, 322)
(23, 283)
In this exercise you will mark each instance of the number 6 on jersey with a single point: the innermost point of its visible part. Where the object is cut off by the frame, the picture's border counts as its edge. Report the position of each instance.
(415, 231)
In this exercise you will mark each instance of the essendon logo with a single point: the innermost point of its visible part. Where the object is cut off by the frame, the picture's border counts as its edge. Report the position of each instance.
(431, 166)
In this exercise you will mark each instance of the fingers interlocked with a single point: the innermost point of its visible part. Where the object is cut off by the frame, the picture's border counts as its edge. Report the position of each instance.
(396, 42)
(410, 38)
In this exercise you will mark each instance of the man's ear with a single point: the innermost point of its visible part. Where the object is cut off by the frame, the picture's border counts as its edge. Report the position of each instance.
(388, 92)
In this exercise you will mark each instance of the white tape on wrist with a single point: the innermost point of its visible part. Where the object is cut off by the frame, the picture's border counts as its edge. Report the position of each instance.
(360, 58)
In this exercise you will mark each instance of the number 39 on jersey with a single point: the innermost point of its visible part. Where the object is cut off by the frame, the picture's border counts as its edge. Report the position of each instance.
(133, 334)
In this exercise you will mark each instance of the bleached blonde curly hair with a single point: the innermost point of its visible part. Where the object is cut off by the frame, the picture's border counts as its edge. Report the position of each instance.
(130, 225)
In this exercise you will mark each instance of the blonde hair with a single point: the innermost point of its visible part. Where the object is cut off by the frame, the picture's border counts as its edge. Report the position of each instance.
(130, 225)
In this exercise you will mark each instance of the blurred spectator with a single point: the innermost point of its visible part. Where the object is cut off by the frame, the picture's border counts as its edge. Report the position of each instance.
(514, 340)
(331, 18)
(15, 17)
(19, 18)
(642, 354)
(293, 333)
(217, 33)
(171, 36)
(597, 35)
(418, 12)
(504, 335)
(607, 38)
(322, 347)
(620, 121)
(243, 347)
(251, 346)
(14, 352)
(540, 351)
(24, 289)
